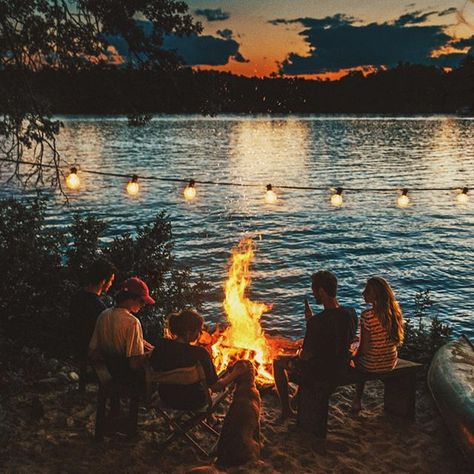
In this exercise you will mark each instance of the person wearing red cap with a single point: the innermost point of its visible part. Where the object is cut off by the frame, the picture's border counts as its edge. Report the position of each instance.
(118, 336)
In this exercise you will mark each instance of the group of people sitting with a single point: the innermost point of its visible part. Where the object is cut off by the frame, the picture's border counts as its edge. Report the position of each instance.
(329, 349)
(114, 334)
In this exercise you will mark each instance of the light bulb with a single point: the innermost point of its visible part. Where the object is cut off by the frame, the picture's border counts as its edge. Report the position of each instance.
(270, 196)
(336, 198)
(133, 187)
(462, 197)
(190, 191)
(403, 200)
(72, 180)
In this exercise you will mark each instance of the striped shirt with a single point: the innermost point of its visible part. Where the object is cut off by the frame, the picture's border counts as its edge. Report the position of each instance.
(380, 353)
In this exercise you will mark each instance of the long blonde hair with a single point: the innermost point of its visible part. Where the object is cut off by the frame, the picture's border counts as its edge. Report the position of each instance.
(387, 309)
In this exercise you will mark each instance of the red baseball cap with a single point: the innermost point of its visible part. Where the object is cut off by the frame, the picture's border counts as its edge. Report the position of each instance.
(137, 287)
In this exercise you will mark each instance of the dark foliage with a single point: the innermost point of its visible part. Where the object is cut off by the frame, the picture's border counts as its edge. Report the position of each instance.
(33, 278)
(40, 272)
(68, 37)
(424, 332)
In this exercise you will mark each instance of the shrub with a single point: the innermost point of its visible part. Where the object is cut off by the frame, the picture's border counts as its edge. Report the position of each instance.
(33, 284)
(424, 332)
(42, 268)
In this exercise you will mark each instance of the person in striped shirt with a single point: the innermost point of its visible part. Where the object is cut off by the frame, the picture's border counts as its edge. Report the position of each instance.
(381, 333)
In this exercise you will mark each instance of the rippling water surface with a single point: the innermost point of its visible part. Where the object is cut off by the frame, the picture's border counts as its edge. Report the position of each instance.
(428, 246)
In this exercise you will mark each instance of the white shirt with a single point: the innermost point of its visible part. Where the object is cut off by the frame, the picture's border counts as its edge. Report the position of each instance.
(117, 333)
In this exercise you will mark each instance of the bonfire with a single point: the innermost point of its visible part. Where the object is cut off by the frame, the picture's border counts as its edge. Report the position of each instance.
(244, 337)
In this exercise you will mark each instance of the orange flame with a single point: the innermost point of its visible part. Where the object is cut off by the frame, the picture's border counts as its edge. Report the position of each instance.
(244, 338)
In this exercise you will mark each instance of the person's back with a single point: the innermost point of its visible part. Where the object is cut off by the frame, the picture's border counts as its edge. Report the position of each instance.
(171, 354)
(380, 351)
(328, 338)
(85, 308)
(87, 304)
(118, 335)
(381, 333)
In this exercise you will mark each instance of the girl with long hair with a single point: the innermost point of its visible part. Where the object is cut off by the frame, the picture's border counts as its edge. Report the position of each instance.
(381, 332)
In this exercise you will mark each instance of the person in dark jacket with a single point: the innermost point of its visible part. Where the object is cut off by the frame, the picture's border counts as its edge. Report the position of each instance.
(326, 348)
(85, 307)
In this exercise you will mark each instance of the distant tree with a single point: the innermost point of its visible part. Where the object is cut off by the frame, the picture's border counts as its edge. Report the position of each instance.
(69, 36)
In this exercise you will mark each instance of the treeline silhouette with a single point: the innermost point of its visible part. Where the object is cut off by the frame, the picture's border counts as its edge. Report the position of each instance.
(404, 89)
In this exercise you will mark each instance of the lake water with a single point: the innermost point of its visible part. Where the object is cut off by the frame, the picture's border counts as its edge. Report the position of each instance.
(427, 246)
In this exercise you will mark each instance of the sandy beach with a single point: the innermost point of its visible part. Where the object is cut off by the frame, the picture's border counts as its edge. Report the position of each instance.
(62, 441)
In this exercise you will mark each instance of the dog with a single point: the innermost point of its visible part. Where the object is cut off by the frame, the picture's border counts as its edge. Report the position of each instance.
(239, 441)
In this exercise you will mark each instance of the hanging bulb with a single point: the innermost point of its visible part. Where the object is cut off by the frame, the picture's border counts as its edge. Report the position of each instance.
(403, 200)
(336, 198)
(190, 191)
(133, 187)
(462, 197)
(270, 195)
(72, 179)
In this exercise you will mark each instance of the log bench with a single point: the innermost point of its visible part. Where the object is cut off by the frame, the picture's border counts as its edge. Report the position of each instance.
(399, 395)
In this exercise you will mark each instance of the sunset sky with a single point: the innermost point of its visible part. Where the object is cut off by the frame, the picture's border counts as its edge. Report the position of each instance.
(323, 38)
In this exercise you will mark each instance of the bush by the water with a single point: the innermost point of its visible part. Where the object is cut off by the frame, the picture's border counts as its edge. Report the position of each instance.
(42, 268)
(424, 332)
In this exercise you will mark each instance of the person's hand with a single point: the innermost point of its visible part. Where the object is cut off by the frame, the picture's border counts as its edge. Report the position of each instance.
(147, 346)
(308, 313)
(216, 334)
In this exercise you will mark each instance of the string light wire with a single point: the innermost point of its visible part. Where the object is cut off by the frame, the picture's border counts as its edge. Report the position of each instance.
(228, 183)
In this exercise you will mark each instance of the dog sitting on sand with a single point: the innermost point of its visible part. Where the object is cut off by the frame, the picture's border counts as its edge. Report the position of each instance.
(239, 441)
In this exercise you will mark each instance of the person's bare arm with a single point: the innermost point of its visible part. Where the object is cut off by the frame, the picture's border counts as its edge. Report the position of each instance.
(364, 339)
(226, 380)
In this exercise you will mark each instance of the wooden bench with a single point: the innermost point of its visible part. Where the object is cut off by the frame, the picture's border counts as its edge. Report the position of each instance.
(399, 395)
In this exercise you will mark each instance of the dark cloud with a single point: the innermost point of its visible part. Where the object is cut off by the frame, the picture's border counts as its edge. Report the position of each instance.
(225, 33)
(341, 42)
(212, 14)
(340, 19)
(464, 43)
(204, 50)
(193, 50)
(448, 11)
(413, 18)
(240, 59)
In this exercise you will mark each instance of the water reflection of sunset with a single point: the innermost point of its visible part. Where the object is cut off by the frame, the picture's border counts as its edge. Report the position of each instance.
(268, 151)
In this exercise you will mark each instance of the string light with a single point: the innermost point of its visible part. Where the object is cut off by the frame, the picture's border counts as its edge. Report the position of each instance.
(336, 198)
(133, 187)
(72, 180)
(462, 197)
(403, 200)
(190, 190)
(270, 196)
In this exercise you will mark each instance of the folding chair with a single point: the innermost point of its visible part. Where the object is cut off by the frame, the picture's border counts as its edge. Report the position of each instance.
(182, 422)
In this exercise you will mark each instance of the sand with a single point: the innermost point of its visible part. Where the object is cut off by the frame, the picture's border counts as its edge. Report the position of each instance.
(62, 441)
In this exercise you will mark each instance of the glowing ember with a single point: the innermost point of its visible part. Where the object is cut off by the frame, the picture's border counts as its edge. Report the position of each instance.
(244, 338)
